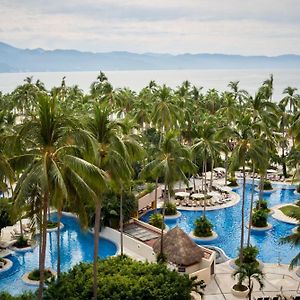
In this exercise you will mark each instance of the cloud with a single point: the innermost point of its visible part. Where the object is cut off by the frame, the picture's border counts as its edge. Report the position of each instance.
(232, 26)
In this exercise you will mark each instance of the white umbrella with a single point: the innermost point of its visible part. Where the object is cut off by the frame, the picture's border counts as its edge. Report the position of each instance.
(182, 194)
(225, 189)
(213, 194)
(220, 169)
(271, 171)
(197, 196)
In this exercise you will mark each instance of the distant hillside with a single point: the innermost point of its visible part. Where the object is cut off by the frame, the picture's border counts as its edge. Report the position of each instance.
(38, 60)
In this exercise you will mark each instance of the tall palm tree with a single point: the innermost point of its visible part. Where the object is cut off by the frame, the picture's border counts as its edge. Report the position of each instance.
(46, 139)
(172, 163)
(111, 153)
(246, 148)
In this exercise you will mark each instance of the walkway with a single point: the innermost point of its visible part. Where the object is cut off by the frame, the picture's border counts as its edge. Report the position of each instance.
(277, 278)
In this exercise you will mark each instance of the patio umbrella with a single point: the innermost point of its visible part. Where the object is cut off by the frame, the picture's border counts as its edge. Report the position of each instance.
(272, 171)
(197, 196)
(220, 169)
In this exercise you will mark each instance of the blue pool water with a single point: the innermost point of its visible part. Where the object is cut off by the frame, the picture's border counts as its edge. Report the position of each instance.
(76, 246)
(227, 223)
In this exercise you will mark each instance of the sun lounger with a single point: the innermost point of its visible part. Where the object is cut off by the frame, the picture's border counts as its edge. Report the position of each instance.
(194, 203)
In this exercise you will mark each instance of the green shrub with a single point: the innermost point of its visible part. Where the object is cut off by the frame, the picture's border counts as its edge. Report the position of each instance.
(51, 224)
(35, 275)
(170, 209)
(267, 185)
(24, 296)
(203, 227)
(156, 220)
(262, 205)
(21, 242)
(232, 182)
(260, 218)
(249, 256)
(298, 202)
(121, 278)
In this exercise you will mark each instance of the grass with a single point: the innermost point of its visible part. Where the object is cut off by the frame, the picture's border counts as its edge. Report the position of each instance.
(289, 210)
(35, 275)
(51, 225)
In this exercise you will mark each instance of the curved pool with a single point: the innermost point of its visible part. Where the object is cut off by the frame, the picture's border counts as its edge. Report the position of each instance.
(227, 224)
(76, 246)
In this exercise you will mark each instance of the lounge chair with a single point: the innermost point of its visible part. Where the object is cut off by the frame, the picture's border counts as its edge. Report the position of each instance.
(198, 203)
(194, 203)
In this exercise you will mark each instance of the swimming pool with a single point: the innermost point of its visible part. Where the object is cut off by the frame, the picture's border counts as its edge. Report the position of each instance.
(227, 224)
(76, 246)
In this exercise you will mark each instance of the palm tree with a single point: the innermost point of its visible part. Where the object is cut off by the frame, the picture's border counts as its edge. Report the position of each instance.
(249, 273)
(239, 95)
(111, 153)
(46, 139)
(208, 147)
(290, 99)
(171, 163)
(246, 148)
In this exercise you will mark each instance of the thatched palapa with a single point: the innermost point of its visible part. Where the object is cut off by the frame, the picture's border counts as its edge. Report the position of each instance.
(179, 248)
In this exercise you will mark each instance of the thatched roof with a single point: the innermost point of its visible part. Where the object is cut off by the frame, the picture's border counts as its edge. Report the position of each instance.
(179, 248)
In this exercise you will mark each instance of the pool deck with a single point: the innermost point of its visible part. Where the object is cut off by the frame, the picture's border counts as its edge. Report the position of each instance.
(277, 278)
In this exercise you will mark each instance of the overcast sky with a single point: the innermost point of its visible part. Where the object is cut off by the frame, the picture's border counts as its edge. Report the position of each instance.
(253, 27)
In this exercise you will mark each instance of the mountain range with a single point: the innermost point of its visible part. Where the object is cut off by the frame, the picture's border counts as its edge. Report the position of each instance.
(14, 59)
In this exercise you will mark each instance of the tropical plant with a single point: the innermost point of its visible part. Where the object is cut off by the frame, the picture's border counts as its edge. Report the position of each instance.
(170, 209)
(157, 221)
(259, 218)
(203, 227)
(249, 272)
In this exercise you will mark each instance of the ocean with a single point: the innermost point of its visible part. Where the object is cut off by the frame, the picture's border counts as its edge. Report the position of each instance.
(250, 79)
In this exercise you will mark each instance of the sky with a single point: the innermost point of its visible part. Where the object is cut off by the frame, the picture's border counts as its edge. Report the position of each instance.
(246, 27)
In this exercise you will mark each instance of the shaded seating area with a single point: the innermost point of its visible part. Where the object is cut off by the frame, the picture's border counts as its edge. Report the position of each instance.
(141, 233)
(185, 255)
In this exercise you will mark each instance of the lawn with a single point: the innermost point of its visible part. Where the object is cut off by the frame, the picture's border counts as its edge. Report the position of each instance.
(289, 210)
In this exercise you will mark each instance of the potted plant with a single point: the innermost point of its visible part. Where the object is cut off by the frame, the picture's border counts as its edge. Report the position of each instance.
(259, 218)
(232, 182)
(170, 209)
(267, 186)
(247, 272)
(203, 227)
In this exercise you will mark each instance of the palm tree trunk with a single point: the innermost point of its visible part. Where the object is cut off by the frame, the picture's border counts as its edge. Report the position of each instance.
(96, 247)
(205, 188)
(251, 208)
(211, 175)
(243, 215)
(226, 167)
(43, 233)
(156, 187)
(162, 226)
(21, 227)
(58, 242)
(261, 180)
(121, 222)
(202, 186)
